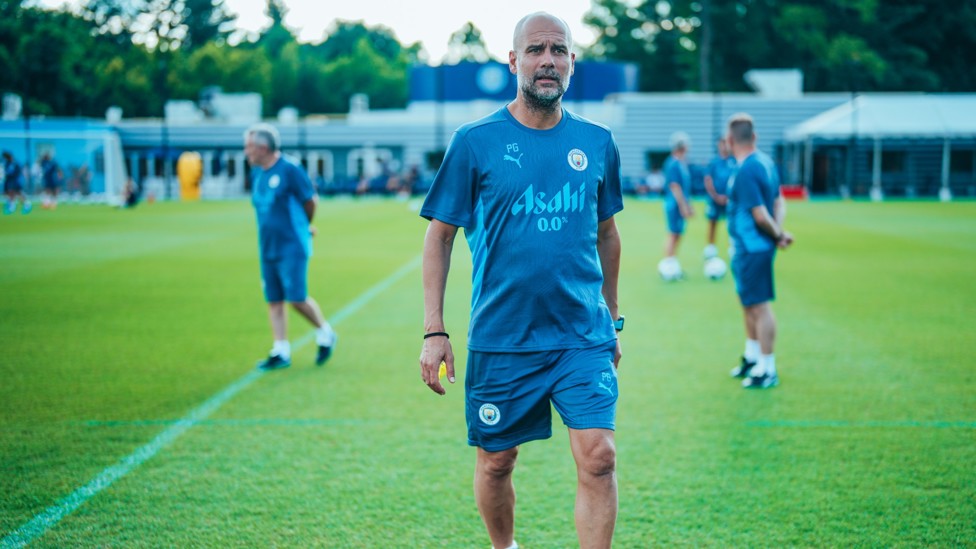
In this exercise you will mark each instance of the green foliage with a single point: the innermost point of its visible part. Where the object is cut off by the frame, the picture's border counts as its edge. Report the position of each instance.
(647, 36)
(121, 322)
(467, 44)
(838, 44)
(138, 53)
(69, 64)
(233, 69)
(366, 70)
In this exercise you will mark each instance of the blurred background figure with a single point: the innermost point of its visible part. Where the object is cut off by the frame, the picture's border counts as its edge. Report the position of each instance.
(756, 215)
(13, 185)
(677, 203)
(51, 177)
(284, 201)
(716, 185)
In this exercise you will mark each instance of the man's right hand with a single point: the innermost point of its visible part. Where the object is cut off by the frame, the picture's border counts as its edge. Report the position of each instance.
(436, 349)
(785, 241)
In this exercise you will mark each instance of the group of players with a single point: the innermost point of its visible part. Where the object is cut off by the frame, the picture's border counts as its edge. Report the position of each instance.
(535, 189)
(13, 183)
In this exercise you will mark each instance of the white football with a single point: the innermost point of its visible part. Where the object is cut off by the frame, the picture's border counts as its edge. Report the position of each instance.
(715, 268)
(670, 269)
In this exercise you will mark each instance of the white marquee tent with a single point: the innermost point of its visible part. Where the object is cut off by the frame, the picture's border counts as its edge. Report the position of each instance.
(886, 117)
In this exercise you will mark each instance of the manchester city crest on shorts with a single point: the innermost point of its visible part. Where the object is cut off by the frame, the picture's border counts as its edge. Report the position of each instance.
(489, 414)
(274, 181)
(577, 160)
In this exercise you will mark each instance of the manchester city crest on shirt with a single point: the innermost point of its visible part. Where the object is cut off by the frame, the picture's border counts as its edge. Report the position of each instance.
(274, 181)
(577, 160)
(489, 414)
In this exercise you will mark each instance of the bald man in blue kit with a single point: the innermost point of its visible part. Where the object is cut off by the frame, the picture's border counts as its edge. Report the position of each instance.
(535, 188)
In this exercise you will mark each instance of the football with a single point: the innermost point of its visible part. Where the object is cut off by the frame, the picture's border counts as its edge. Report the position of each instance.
(670, 269)
(715, 268)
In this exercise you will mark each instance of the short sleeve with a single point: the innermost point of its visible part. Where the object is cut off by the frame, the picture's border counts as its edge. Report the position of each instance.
(453, 193)
(748, 186)
(301, 184)
(609, 194)
(674, 173)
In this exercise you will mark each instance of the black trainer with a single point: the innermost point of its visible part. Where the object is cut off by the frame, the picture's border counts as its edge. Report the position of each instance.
(742, 370)
(324, 353)
(325, 347)
(274, 362)
(765, 381)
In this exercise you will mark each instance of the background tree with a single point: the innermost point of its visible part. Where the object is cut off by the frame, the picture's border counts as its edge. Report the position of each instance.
(653, 35)
(467, 44)
(838, 44)
(139, 53)
(206, 21)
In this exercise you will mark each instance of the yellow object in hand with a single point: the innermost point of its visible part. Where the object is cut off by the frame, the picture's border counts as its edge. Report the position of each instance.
(443, 371)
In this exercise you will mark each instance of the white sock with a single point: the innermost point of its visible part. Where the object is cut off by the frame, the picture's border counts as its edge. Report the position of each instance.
(752, 351)
(281, 348)
(514, 545)
(768, 363)
(324, 335)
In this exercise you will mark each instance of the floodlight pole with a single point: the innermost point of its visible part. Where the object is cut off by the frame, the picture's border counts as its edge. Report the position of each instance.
(27, 147)
(164, 129)
(439, 107)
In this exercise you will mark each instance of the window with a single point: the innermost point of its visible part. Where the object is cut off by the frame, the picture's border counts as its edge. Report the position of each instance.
(893, 161)
(655, 159)
(961, 161)
(434, 159)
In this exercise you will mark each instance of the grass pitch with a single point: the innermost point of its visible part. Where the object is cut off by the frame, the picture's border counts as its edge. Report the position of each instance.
(115, 324)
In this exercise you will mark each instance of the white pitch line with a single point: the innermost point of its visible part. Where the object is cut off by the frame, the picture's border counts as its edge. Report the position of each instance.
(43, 522)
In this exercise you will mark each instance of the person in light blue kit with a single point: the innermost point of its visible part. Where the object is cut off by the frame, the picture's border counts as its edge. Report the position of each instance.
(716, 185)
(756, 215)
(677, 203)
(284, 202)
(535, 188)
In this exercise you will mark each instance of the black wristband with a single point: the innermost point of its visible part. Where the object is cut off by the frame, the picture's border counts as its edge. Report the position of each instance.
(434, 334)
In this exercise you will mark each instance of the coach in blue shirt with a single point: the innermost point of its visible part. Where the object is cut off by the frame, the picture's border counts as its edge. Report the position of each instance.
(535, 188)
(284, 202)
(756, 215)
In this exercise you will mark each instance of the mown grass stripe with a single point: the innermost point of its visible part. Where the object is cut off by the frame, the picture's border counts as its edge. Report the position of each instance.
(255, 422)
(43, 522)
(864, 423)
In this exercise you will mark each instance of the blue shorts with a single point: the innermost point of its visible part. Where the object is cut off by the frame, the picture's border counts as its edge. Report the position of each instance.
(508, 395)
(753, 274)
(12, 187)
(285, 279)
(715, 212)
(676, 223)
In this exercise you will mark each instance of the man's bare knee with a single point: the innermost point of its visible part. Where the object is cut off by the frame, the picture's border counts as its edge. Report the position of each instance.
(497, 464)
(600, 459)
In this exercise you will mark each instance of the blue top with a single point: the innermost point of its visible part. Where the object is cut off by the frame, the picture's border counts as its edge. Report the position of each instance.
(49, 171)
(720, 169)
(676, 171)
(530, 202)
(278, 196)
(12, 174)
(754, 183)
